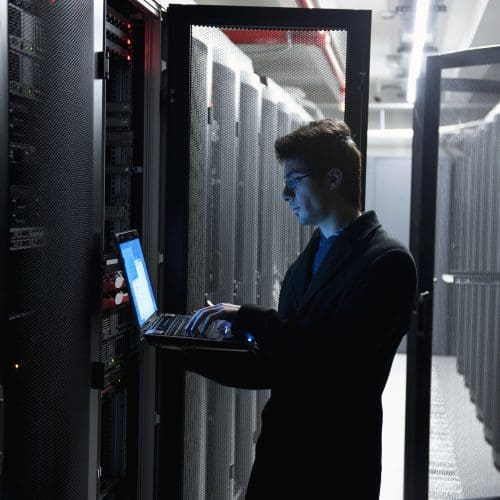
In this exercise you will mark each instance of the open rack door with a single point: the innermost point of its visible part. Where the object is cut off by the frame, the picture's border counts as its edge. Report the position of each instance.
(453, 399)
(237, 78)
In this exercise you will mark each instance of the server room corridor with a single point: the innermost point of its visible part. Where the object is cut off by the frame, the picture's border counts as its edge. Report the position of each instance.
(460, 465)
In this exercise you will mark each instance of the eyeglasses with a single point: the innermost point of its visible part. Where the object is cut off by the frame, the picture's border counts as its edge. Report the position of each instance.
(291, 182)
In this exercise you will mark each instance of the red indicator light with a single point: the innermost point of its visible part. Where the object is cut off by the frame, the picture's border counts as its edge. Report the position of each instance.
(129, 41)
(129, 58)
(129, 26)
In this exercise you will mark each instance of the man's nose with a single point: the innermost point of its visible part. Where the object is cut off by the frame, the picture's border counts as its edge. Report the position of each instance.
(287, 193)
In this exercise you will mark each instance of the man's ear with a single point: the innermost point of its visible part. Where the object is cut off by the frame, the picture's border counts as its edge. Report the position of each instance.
(334, 178)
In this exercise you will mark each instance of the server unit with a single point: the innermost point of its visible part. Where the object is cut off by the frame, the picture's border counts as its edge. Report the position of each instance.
(245, 271)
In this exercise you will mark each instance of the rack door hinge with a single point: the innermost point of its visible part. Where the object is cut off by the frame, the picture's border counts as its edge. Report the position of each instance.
(97, 375)
(102, 65)
(423, 306)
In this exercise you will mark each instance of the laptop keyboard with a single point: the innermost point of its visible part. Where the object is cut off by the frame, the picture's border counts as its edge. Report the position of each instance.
(173, 325)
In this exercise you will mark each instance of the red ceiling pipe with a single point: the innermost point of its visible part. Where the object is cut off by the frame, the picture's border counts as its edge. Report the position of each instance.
(320, 39)
(326, 47)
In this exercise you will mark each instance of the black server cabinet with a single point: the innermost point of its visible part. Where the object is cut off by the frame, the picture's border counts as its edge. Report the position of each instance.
(226, 236)
(50, 284)
(4, 207)
(80, 92)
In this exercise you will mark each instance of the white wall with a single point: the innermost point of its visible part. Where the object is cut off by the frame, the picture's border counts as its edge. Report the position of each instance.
(388, 179)
(388, 192)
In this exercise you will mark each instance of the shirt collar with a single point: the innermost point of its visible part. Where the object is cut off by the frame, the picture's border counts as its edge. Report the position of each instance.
(323, 238)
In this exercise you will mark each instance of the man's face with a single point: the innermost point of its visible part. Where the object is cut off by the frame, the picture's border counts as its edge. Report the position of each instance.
(308, 197)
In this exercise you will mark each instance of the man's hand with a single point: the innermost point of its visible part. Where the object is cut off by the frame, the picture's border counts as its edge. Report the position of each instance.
(204, 316)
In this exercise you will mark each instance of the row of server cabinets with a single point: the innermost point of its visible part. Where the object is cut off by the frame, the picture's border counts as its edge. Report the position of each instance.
(467, 263)
(90, 411)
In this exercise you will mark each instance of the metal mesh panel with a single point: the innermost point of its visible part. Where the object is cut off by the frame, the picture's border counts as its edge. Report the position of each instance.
(195, 407)
(246, 264)
(282, 211)
(247, 182)
(246, 429)
(493, 269)
(220, 442)
(241, 236)
(201, 77)
(223, 181)
(195, 437)
(466, 327)
(52, 168)
(267, 193)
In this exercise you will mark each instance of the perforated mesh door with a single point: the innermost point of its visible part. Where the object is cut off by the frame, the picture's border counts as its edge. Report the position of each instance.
(242, 237)
(465, 428)
(52, 238)
(229, 236)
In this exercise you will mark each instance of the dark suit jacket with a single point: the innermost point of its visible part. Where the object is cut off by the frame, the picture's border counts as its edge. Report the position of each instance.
(326, 355)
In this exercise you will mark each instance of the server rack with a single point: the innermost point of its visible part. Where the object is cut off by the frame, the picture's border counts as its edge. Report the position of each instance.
(52, 233)
(246, 268)
(79, 389)
(267, 176)
(131, 200)
(4, 207)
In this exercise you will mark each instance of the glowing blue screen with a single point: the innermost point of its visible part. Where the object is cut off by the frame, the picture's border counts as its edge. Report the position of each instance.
(138, 280)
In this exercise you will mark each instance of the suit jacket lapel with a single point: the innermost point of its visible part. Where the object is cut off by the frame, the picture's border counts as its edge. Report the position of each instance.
(342, 250)
(302, 269)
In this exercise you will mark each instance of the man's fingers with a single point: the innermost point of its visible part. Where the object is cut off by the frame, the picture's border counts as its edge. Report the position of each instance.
(208, 319)
(200, 318)
(204, 316)
(195, 319)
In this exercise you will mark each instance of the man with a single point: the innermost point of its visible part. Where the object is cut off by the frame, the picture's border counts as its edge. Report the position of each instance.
(344, 306)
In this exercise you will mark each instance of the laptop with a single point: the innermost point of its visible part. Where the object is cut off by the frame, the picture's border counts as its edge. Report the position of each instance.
(168, 330)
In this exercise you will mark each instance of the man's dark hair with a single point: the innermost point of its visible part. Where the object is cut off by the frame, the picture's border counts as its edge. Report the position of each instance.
(322, 145)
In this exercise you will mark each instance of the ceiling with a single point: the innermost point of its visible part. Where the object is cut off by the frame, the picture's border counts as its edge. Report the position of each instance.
(452, 25)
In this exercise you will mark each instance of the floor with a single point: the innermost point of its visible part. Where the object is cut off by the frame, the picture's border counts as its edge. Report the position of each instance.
(461, 466)
(393, 401)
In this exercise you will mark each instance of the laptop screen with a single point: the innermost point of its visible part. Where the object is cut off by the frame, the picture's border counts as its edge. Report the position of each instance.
(138, 280)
